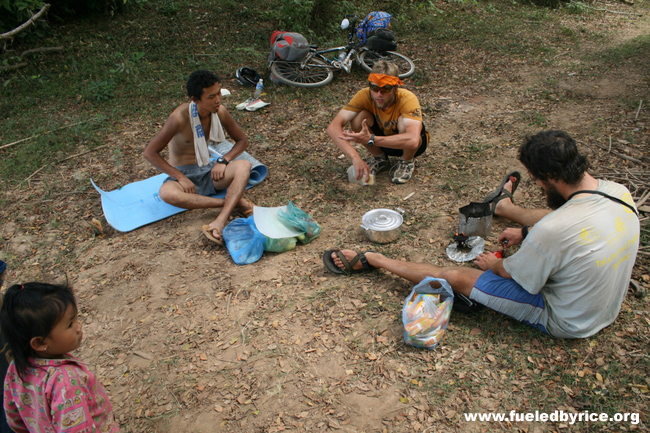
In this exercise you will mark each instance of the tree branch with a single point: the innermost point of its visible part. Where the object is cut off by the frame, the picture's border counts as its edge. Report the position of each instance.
(12, 67)
(41, 50)
(43, 133)
(26, 24)
(32, 51)
(618, 12)
(60, 161)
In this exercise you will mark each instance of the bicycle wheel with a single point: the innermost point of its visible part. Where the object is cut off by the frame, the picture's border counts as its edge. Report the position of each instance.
(369, 57)
(315, 73)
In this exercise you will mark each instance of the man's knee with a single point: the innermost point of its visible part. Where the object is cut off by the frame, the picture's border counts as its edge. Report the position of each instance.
(241, 166)
(169, 191)
(461, 279)
(356, 122)
(452, 275)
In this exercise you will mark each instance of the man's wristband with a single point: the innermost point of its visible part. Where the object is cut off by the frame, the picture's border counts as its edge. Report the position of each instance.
(524, 231)
(222, 160)
(371, 142)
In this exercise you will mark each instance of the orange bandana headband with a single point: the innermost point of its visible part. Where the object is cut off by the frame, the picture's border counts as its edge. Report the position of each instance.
(384, 80)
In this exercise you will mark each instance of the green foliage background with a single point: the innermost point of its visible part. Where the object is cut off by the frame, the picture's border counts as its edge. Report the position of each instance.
(128, 59)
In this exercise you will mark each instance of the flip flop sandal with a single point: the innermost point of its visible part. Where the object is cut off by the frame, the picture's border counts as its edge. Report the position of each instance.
(329, 264)
(497, 193)
(207, 231)
(493, 203)
(247, 213)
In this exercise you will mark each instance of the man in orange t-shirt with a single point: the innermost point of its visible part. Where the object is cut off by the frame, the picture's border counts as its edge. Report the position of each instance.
(387, 121)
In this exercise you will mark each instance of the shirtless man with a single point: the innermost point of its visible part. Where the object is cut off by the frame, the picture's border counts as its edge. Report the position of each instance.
(192, 182)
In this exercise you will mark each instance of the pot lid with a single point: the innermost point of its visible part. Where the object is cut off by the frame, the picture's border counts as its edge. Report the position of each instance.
(382, 219)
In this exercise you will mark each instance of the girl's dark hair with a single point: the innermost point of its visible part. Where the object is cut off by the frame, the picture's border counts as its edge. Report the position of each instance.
(198, 81)
(553, 155)
(32, 310)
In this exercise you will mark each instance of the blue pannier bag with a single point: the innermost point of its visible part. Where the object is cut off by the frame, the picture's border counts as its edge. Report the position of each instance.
(373, 21)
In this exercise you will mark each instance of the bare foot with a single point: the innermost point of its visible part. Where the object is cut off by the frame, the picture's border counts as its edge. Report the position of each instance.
(215, 229)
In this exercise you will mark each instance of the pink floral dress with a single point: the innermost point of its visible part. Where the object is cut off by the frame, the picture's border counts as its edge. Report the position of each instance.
(59, 395)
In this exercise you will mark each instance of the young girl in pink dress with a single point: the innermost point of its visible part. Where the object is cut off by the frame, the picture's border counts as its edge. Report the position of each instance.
(46, 389)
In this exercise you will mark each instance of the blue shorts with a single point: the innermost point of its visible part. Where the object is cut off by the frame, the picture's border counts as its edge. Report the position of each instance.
(506, 296)
(201, 177)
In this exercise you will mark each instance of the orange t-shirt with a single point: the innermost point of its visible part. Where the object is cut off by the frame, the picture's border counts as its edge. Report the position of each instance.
(406, 105)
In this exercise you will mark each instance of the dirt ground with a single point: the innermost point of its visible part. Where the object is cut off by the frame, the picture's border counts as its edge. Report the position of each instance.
(185, 340)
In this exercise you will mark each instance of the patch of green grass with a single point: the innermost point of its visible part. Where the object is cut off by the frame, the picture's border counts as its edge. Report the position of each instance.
(485, 27)
(169, 7)
(533, 118)
(455, 184)
(578, 7)
(50, 143)
(635, 50)
(476, 149)
(100, 91)
(323, 293)
(550, 90)
(136, 63)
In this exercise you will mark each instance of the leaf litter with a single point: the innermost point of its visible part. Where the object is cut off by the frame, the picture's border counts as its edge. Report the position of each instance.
(186, 341)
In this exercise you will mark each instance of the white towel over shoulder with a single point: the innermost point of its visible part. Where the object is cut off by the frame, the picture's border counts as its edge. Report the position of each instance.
(200, 144)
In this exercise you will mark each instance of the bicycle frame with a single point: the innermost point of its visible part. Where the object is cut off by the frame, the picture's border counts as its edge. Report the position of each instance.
(350, 49)
(316, 69)
(345, 64)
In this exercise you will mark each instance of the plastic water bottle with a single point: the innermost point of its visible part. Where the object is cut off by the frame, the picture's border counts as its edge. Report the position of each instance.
(352, 177)
(342, 56)
(258, 89)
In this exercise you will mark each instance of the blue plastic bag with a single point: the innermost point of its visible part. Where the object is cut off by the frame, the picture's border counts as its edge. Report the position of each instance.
(426, 312)
(301, 221)
(244, 242)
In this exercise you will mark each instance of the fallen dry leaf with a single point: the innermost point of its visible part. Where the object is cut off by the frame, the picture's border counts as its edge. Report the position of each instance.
(98, 225)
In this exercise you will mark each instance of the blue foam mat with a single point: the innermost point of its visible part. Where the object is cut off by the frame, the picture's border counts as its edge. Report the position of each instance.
(138, 204)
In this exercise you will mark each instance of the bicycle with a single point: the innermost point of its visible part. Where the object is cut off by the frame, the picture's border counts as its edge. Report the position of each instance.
(316, 70)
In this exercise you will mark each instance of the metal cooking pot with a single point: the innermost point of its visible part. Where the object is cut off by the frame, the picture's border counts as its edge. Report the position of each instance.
(475, 219)
(382, 225)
